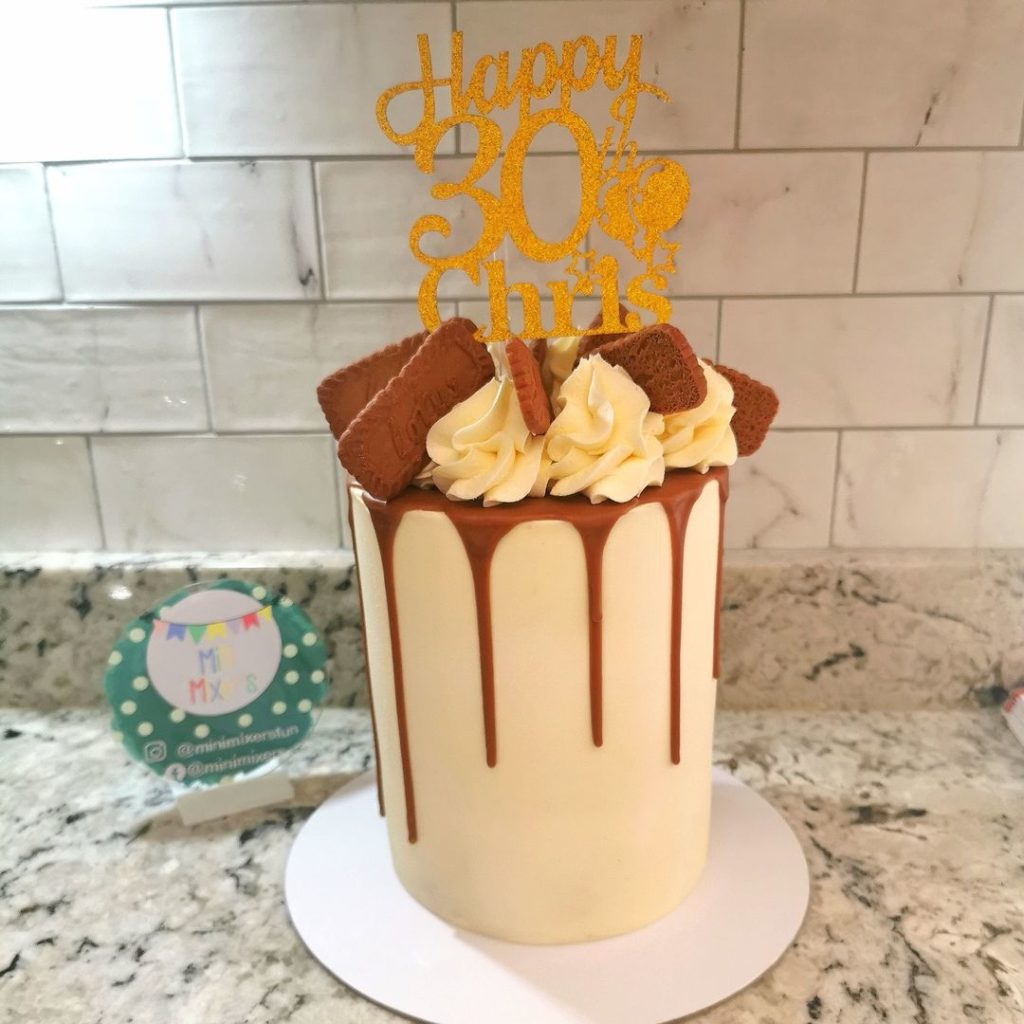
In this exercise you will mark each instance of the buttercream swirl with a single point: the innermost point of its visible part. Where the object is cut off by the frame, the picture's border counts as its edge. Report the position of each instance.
(702, 437)
(483, 449)
(559, 360)
(604, 441)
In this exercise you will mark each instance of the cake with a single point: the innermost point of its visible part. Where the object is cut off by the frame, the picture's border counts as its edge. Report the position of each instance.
(538, 538)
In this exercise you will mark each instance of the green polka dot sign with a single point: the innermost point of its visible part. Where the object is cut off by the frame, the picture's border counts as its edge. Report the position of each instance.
(216, 681)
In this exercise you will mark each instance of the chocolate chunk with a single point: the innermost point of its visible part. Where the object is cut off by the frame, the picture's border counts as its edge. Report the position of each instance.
(756, 406)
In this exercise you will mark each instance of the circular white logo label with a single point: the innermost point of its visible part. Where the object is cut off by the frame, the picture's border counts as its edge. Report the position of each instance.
(213, 652)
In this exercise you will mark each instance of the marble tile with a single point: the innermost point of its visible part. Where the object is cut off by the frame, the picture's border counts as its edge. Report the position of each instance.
(98, 370)
(265, 362)
(28, 263)
(943, 222)
(86, 85)
(931, 488)
(1002, 392)
(186, 231)
(48, 502)
(217, 493)
(781, 497)
(822, 356)
(690, 50)
(295, 79)
(882, 73)
(368, 208)
(762, 224)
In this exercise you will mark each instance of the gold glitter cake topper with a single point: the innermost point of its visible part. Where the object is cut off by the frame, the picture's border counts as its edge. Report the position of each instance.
(633, 201)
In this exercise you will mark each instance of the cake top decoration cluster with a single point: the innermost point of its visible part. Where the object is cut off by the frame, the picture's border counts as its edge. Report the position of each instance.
(599, 412)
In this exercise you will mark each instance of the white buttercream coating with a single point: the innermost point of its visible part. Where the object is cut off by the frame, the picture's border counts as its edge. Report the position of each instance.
(561, 841)
(702, 437)
(604, 441)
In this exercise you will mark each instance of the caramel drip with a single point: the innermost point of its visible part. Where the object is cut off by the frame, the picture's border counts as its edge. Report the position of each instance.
(480, 539)
(594, 536)
(481, 534)
(366, 659)
(386, 526)
(678, 514)
(723, 496)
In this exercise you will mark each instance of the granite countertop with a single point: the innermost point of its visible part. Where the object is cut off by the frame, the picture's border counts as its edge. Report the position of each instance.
(112, 911)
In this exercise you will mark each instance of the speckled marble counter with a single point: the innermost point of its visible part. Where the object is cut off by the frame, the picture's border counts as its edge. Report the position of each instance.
(832, 630)
(112, 912)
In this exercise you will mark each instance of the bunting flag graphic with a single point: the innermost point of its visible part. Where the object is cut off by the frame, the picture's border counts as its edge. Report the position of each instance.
(213, 630)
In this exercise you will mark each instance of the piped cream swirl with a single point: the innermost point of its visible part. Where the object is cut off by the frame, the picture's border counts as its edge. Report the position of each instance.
(604, 441)
(483, 449)
(702, 437)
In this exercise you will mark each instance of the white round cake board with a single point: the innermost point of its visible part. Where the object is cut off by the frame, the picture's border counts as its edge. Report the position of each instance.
(354, 916)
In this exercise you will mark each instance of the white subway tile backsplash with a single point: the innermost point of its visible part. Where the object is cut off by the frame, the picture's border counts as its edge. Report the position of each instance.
(882, 73)
(291, 192)
(97, 370)
(781, 497)
(931, 488)
(28, 263)
(1002, 392)
(48, 502)
(265, 362)
(296, 79)
(690, 50)
(763, 223)
(882, 362)
(186, 231)
(217, 493)
(86, 85)
(368, 208)
(943, 222)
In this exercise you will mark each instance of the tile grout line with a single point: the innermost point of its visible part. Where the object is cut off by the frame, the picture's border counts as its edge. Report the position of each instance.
(96, 492)
(391, 157)
(321, 248)
(204, 368)
(53, 236)
(179, 99)
(860, 223)
(1020, 141)
(835, 491)
(739, 76)
(984, 360)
